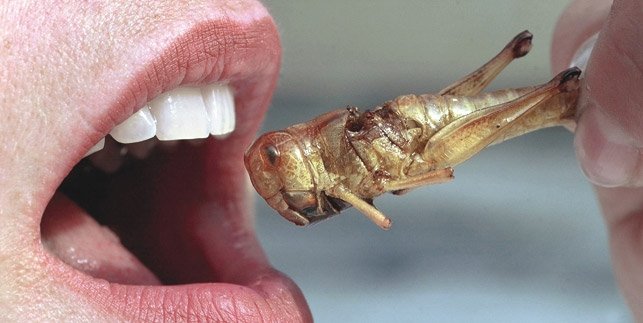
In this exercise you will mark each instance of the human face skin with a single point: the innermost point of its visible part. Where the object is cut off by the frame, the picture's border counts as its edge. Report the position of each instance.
(70, 72)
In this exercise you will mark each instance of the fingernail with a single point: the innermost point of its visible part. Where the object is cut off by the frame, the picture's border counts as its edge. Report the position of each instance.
(607, 154)
(581, 57)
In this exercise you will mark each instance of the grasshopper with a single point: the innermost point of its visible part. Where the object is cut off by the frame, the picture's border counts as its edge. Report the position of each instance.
(314, 170)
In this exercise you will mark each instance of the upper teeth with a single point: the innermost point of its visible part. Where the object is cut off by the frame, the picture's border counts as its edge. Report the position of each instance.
(182, 113)
(140, 126)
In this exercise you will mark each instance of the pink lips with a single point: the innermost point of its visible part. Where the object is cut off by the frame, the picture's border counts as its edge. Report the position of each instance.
(194, 220)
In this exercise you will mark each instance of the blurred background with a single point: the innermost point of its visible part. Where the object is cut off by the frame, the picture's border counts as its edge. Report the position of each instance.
(517, 237)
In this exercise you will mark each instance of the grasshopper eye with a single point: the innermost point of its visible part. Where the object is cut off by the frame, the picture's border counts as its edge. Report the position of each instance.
(271, 153)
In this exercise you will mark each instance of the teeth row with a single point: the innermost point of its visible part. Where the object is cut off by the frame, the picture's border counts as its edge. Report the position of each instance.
(182, 113)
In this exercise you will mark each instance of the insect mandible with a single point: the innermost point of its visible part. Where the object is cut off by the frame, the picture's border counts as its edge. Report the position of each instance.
(314, 170)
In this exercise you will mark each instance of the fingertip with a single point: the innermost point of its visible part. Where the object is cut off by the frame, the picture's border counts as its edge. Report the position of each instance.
(579, 22)
(609, 139)
(608, 155)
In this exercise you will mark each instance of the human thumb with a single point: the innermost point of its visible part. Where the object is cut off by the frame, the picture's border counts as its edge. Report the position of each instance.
(609, 133)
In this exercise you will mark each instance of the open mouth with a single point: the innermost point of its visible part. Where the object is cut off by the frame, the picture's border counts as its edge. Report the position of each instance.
(156, 222)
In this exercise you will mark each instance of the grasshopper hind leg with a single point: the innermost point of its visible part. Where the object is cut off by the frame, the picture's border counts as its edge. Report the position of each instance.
(475, 82)
(470, 134)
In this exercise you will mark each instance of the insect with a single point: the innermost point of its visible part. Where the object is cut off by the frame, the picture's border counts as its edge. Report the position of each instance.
(314, 170)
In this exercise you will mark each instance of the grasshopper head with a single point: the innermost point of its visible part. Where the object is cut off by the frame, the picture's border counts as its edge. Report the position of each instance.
(281, 173)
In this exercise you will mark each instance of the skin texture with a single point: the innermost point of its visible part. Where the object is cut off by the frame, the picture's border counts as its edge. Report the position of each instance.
(70, 72)
(609, 137)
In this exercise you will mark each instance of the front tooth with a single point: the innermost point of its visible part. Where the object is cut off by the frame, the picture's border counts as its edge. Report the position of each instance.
(180, 114)
(98, 146)
(139, 127)
(219, 104)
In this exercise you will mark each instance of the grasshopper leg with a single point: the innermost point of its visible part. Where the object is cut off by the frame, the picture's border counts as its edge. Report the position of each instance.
(367, 209)
(432, 177)
(375, 215)
(475, 82)
(470, 134)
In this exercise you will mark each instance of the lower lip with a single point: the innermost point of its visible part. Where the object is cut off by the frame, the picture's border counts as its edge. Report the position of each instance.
(270, 298)
(252, 288)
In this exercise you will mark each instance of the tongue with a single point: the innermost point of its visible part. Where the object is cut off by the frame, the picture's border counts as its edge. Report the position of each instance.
(79, 241)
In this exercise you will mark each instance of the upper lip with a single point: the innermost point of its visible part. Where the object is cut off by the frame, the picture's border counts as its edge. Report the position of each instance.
(246, 55)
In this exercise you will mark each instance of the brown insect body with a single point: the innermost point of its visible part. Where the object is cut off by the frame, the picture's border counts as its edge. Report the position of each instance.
(313, 170)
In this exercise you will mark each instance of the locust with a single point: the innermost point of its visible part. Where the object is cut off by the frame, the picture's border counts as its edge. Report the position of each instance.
(313, 170)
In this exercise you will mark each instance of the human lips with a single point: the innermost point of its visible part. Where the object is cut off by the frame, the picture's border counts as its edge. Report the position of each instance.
(173, 212)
